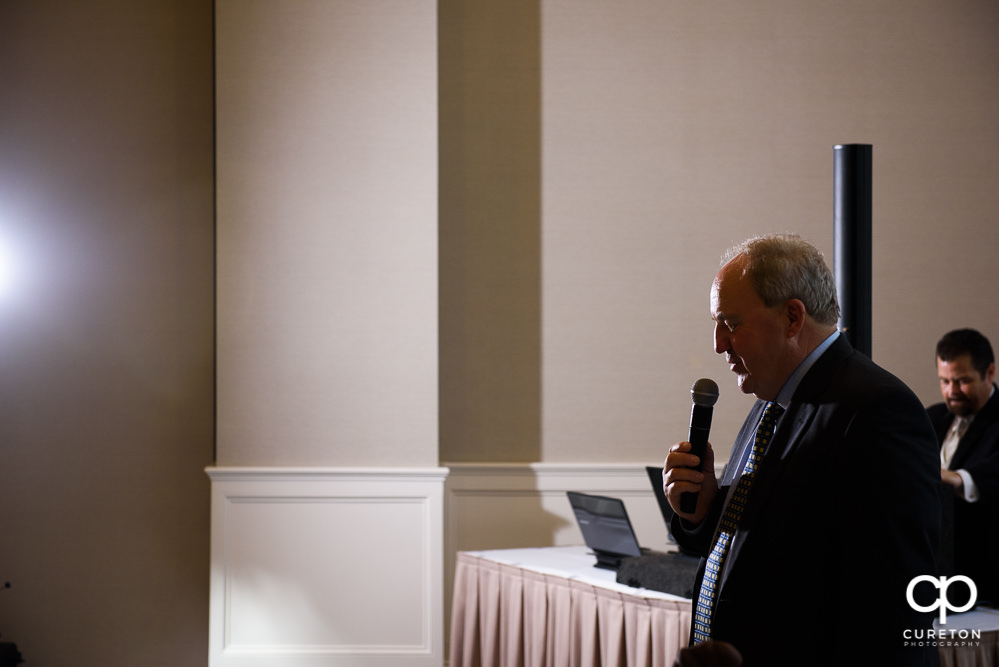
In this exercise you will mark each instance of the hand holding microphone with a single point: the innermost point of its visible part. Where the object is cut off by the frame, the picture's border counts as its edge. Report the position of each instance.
(703, 395)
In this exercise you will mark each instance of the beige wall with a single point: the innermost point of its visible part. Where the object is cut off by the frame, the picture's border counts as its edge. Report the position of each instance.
(106, 417)
(490, 230)
(599, 167)
(327, 233)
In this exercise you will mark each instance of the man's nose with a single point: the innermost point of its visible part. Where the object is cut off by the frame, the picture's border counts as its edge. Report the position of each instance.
(722, 343)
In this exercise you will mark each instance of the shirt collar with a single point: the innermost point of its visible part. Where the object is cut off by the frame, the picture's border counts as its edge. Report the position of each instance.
(791, 386)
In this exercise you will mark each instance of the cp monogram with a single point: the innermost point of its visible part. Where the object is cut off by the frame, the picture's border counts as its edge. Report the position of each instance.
(942, 583)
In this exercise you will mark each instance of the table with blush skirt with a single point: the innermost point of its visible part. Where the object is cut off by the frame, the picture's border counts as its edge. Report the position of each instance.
(971, 639)
(550, 607)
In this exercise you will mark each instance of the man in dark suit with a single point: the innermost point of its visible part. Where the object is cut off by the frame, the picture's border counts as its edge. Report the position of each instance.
(818, 527)
(967, 427)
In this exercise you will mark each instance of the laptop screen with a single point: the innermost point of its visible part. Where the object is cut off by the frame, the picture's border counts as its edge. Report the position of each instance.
(605, 526)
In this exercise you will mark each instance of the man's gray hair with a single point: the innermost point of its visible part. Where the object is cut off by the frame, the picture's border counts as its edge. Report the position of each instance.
(785, 266)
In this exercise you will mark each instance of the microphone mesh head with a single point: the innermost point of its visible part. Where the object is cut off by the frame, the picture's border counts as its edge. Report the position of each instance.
(704, 392)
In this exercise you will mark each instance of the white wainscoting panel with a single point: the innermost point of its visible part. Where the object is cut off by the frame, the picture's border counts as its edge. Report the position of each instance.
(326, 567)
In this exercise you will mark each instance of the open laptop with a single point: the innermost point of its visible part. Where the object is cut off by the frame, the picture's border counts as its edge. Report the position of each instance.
(605, 525)
(608, 532)
(606, 528)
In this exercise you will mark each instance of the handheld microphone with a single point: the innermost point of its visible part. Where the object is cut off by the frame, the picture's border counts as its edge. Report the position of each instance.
(703, 395)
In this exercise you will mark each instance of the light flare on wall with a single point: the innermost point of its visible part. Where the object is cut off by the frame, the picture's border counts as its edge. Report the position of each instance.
(9, 272)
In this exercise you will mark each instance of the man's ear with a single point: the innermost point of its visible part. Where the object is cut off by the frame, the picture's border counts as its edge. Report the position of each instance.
(794, 313)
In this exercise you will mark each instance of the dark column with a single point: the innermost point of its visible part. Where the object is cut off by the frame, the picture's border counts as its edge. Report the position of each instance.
(852, 243)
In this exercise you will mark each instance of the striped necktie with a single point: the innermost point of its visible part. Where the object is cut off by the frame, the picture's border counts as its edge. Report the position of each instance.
(729, 522)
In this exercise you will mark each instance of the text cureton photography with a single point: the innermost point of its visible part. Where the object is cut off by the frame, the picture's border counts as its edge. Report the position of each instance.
(941, 636)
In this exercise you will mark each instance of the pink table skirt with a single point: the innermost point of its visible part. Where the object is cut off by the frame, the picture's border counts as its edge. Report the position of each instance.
(982, 652)
(513, 615)
(552, 608)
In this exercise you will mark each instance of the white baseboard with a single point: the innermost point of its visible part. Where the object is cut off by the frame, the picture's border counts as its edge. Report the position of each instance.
(326, 567)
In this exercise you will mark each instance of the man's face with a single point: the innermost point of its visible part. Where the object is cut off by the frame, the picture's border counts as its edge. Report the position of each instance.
(750, 335)
(964, 389)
